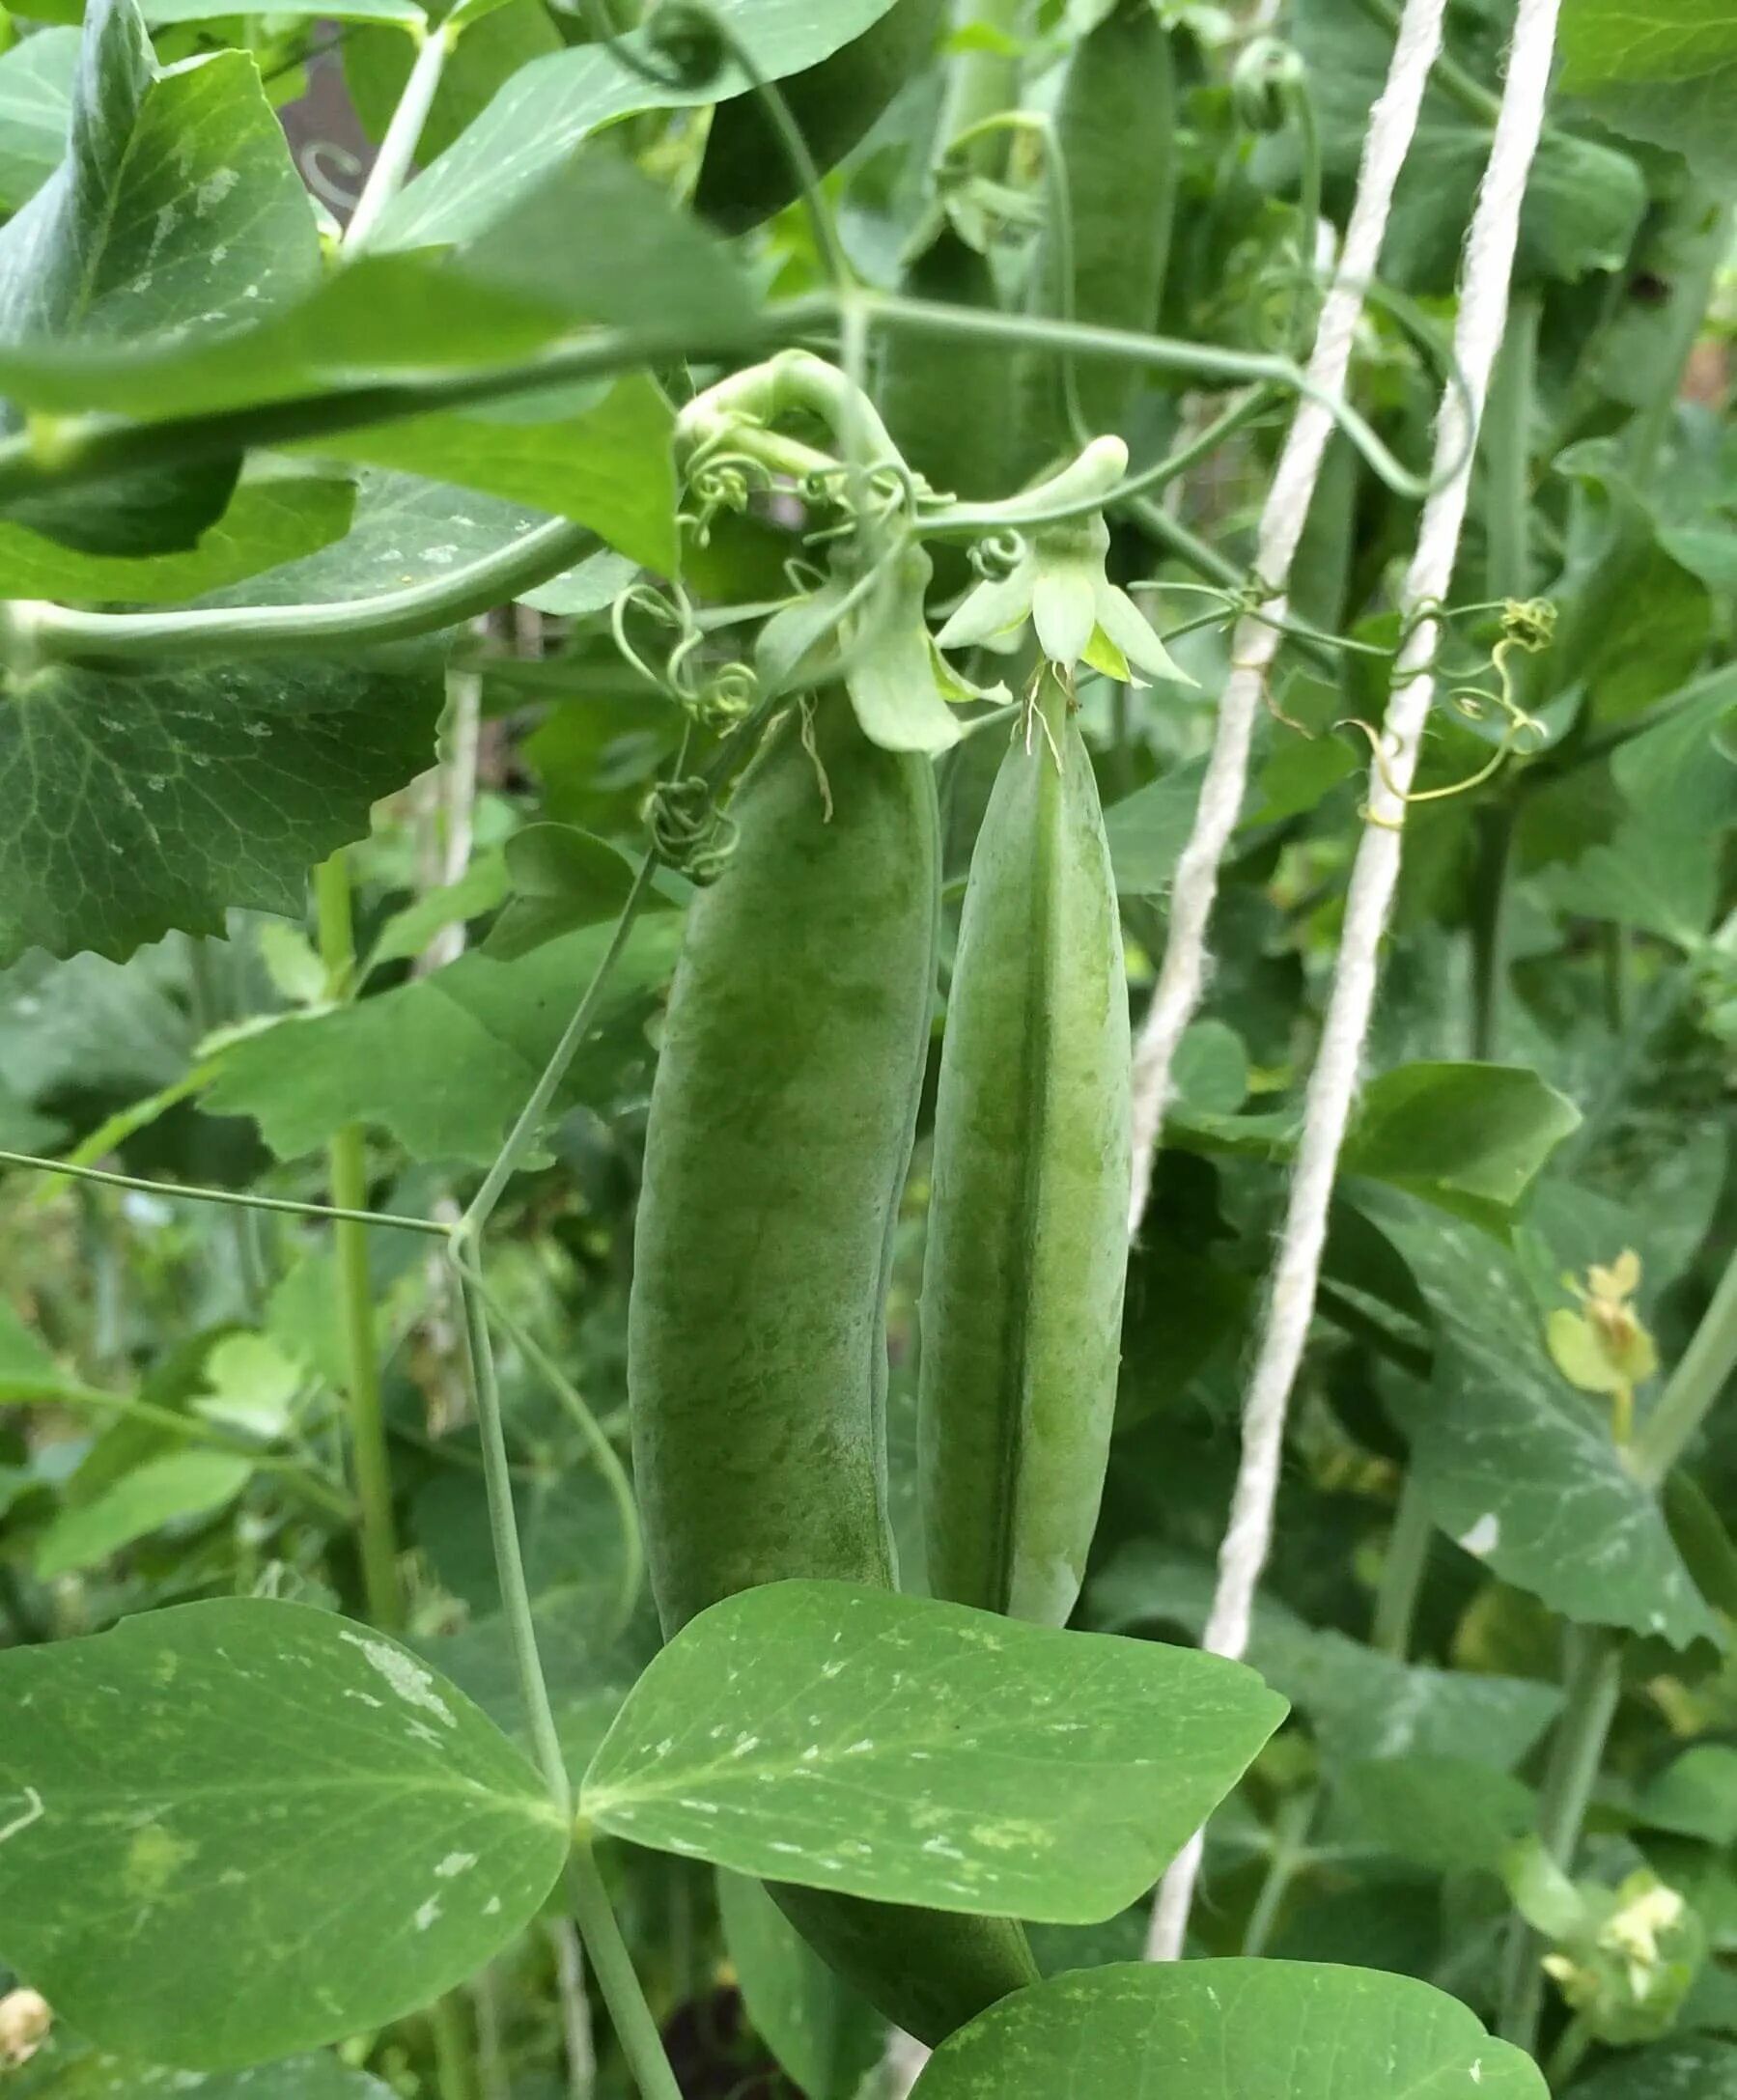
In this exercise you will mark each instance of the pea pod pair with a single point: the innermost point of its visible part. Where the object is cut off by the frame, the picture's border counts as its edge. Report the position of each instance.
(781, 1123)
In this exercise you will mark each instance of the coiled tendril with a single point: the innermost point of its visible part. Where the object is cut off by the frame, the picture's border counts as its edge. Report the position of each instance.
(689, 829)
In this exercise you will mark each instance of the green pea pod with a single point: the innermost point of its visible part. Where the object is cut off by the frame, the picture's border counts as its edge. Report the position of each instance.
(949, 405)
(1027, 1222)
(747, 175)
(1115, 129)
(781, 1125)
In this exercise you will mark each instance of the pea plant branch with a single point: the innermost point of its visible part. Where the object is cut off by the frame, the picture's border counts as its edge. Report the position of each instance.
(1478, 331)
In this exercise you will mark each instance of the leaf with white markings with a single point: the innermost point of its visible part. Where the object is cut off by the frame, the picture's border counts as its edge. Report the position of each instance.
(146, 801)
(795, 1732)
(90, 2075)
(1517, 1464)
(1229, 2030)
(304, 1829)
(35, 101)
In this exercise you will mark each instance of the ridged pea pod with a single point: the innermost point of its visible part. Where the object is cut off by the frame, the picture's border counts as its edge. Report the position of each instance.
(1115, 129)
(1028, 1224)
(781, 1123)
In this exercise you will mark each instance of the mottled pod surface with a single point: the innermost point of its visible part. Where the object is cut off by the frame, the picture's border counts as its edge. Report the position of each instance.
(1023, 1281)
(780, 1130)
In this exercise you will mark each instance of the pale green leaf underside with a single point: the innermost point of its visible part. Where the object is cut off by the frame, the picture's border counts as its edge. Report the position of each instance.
(1229, 2030)
(238, 1829)
(799, 1733)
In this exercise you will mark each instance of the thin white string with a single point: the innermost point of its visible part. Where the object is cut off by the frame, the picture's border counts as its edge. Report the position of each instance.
(1478, 336)
(1181, 976)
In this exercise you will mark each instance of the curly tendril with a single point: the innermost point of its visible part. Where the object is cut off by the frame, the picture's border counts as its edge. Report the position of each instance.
(997, 555)
(689, 829)
(1526, 624)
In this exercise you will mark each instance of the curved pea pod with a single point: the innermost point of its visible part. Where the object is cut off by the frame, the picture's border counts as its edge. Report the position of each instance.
(781, 1131)
(1115, 129)
(747, 175)
(1023, 1278)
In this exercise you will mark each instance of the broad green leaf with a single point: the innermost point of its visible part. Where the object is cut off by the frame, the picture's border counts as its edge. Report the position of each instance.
(274, 516)
(562, 879)
(552, 105)
(1666, 73)
(408, 932)
(178, 202)
(158, 799)
(36, 105)
(27, 1365)
(300, 1832)
(598, 455)
(1696, 1795)
(184, 1485)
(445, 1062)
(1361, 1704)
(1692, 2067)
(587, 588)
(793, 1732)
(90, 1026)
(1229, 2030)
(588, 1674)
(405, 531)
(1583, 201)
(90, 2075)
(1464, 1136)
(1148, 830)
(822, 2033)
(1446, 1814)
(1515, 1465)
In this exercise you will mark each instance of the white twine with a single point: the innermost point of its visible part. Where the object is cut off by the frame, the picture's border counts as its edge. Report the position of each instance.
(1478, 336)
(1181, 976)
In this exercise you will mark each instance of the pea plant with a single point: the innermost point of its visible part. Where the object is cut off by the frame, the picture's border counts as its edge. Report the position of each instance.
(868, 969)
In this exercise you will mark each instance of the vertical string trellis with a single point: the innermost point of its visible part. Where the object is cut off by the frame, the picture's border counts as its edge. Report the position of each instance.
(1477, 335)
(1182, 975)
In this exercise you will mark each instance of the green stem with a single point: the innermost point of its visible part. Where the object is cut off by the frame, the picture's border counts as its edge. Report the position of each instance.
(1402, 1573)
(348, 1169)
(608, 1459)
(238, 1199)
(1701, 1374)
(503, 1532)
(1289, 1855)
(56, 632)
(1569, 2052)
(530, 1117)
(1489, 902)
(397, 148)
(1594, 1684)
(636, 2029)
(451, 2048)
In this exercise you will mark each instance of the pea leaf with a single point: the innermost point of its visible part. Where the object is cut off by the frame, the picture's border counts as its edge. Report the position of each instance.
(185, 1484)
(1696, 1795)
(562, 879)
(822, 2033)
(1448, 1814)
(443, 1063)
(1665, 73)
(1148, 830)
(36, 104)
(1515, 1465)
(598, 455)
(1229, 2030)
(274, 516)
(300, 1832)
(1690, 2067)
(90, 2075)
(1361, 1704)
(1468, 1137)
(551, 106)
(160, 799)
(793, 1732)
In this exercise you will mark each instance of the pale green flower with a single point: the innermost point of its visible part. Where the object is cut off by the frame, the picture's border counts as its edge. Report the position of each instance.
(1059, 584)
